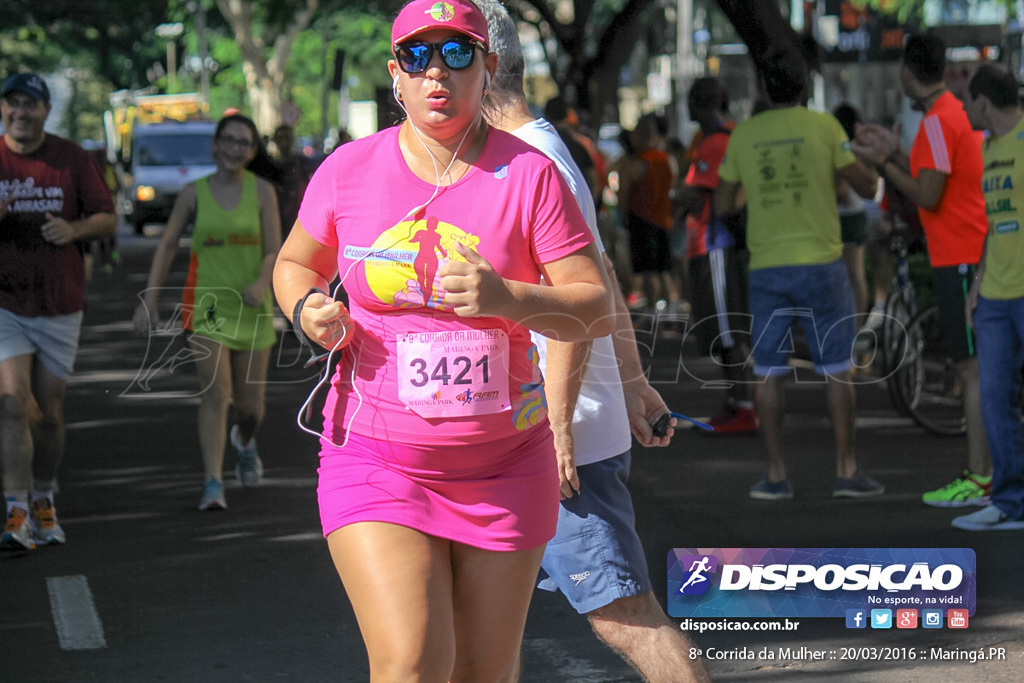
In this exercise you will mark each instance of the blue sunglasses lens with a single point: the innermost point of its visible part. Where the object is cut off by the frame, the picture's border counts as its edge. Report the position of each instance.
(414, 58)
(457, 54)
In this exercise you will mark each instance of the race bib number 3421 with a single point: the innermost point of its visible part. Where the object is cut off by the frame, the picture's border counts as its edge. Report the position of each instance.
(457, 373)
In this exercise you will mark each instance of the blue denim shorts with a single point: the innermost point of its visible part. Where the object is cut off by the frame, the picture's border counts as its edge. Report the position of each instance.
(819, 298)
(596, 557)
(53, 338)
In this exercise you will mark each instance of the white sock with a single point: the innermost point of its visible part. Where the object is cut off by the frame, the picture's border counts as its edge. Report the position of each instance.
(16, 499)
(40, 495)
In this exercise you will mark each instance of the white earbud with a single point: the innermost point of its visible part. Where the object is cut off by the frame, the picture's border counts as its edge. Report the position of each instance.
(395, 92)
(487, 81)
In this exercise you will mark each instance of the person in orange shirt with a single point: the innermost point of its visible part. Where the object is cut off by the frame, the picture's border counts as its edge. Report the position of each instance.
(718, 274)
(645, 180)
(942, 176)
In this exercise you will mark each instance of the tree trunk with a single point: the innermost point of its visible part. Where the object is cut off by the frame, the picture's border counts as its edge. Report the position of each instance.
(264, 75)
(264, 98)
(761, 26)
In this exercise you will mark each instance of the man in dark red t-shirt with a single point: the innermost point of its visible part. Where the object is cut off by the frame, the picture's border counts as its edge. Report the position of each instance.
(52, 195)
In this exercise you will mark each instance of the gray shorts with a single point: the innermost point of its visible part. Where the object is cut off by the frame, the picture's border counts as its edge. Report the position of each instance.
(596, 557)
(53, 338)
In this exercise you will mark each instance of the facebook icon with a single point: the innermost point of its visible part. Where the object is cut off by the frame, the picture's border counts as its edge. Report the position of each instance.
(856, 618)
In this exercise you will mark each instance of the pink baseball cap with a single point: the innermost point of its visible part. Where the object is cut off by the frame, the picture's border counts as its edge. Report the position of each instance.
(423, 15)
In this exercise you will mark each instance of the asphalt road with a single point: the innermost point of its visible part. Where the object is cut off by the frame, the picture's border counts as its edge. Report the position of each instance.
(149, 589)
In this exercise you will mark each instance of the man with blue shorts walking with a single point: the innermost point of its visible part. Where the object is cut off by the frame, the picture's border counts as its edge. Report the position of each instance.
(787, 160)
(596, 558)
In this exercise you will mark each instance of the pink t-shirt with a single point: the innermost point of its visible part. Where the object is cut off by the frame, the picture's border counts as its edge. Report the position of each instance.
(423, 375)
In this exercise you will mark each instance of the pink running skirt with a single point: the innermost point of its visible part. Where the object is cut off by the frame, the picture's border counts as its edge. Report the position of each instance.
(496, 496)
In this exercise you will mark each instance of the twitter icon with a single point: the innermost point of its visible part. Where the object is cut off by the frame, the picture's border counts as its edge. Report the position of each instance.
(881, 618)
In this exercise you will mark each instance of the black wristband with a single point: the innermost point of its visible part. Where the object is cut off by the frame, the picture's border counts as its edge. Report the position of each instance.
(296, 318)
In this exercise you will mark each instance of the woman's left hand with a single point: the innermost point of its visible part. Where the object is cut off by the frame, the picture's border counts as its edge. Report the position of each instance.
(253, 294)
(472, 287)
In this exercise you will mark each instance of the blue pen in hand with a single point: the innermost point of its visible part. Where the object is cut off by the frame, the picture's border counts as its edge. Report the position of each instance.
(660, 426)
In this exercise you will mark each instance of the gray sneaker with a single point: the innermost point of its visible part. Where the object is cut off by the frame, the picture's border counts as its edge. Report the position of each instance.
(249, 469)
(771, 490)
(213, 496)
(859, 485)
(988, 518)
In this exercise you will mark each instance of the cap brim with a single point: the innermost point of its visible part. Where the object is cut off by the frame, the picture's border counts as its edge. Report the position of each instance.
(409, 35)
(34, 95)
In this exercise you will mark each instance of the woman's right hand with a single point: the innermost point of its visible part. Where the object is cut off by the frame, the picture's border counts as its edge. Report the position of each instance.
(145, 318)
(326, 321)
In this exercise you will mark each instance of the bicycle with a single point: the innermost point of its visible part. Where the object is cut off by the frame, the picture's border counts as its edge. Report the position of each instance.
(922, 384)
(900, 310)
(928, 385)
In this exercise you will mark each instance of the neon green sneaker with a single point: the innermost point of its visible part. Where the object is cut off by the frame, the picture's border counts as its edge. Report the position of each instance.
(969, 489)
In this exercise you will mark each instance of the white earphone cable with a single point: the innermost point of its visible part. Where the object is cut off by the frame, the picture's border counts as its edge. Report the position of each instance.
(344, 333)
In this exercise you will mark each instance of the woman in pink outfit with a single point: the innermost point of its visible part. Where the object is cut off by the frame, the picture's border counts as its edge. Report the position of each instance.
(437, 482)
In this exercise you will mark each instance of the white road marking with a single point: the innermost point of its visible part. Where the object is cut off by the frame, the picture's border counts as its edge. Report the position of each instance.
(74, 614)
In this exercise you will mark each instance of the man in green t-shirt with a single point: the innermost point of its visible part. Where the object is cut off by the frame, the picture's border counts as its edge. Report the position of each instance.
(787, 160)
(997, 294)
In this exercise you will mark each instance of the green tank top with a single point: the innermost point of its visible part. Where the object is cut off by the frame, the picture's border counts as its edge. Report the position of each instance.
(227, 254)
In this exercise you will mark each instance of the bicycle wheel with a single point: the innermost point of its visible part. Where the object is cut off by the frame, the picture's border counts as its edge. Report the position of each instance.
(898, 314)
(928, 385)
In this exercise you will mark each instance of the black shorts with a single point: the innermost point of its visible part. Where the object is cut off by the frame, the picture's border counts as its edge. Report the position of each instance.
(854, 228)
(648, 245)
(720, 304)
(951, 284)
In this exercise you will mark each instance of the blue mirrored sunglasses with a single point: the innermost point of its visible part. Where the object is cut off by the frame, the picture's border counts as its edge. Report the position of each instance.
(456, 53)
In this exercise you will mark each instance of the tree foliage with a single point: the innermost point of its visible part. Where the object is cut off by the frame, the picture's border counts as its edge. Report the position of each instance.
(913, 10)
(117, 45)
(594, 40)
(905, 10)
(760, 25)
(265, 32)
(275, 51)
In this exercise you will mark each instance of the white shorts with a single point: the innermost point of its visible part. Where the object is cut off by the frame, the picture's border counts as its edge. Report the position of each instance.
(53, 338)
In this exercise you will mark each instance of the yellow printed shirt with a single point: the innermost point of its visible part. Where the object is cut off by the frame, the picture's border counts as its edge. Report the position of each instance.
(1004, 276)
(786, 160)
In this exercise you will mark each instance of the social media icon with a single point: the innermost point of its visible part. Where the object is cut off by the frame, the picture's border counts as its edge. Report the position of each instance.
(881, 618)
(931, 618)
(906, 618)
(957, 618)
(856, 618)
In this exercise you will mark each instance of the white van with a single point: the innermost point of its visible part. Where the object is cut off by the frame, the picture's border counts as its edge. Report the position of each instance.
(164, 158)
